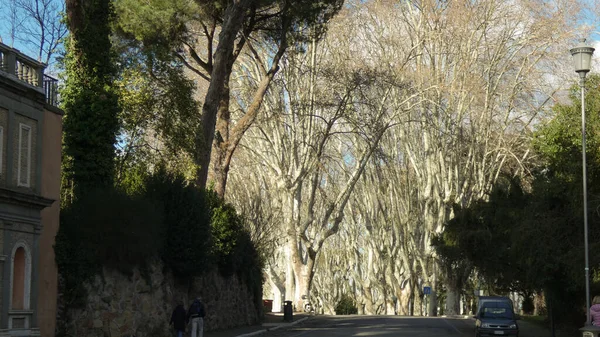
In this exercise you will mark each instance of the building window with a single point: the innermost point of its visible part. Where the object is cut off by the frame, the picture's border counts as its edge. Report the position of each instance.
(24, 163)
(18, 293)
(21, 278)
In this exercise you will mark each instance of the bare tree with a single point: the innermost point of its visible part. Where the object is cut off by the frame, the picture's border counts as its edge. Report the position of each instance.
(43, 28)
(13, 21)
(464, 126)
(36, 25)
(477, 82)
(461, 84)
(318, 117)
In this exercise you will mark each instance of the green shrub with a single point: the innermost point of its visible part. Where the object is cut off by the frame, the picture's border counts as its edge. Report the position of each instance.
(227, 231)
(233, 248)
(74, 263)
(346, 306)
(191, 230)
(187, 240)
(105, 227)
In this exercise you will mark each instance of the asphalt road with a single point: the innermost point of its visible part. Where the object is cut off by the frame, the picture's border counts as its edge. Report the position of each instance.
(397, 326)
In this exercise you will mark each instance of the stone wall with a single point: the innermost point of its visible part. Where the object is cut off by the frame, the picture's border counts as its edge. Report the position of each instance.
(141, 304)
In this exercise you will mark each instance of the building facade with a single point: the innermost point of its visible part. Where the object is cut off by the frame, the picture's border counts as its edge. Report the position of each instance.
(30, 153)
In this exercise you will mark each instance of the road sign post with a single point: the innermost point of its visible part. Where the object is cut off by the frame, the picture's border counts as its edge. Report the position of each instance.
(426, 291)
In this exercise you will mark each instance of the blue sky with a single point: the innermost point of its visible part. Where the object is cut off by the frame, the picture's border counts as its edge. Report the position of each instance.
(11, 16)
(19, 30)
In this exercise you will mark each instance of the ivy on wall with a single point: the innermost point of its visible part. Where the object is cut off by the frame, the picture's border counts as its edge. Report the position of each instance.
(88, 98)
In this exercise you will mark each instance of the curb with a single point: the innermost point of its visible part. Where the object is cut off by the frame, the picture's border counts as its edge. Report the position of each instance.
(273, 328)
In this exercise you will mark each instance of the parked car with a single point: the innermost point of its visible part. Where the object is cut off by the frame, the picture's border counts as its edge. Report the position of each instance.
(496, 317)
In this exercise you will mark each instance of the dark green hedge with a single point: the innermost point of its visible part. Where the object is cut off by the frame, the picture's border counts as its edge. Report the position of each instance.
(191, 230)
(187, 237)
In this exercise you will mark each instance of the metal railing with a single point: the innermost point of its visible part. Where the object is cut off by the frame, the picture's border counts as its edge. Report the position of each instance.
(51, 90)
(28, 70)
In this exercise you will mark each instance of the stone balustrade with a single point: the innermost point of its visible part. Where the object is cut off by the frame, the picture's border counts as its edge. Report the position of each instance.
(29, 71)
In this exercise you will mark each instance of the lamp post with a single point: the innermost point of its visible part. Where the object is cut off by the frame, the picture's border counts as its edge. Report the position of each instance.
(582, 58)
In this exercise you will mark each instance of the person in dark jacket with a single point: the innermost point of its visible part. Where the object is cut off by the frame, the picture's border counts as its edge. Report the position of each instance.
(196, 313)
(179, 319)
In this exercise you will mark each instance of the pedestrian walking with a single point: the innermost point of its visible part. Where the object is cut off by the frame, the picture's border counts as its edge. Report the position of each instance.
(595, 311)
(178, 320)
(196, 313)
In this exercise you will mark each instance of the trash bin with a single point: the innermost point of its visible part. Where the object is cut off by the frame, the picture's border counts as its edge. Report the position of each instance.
(288, 311)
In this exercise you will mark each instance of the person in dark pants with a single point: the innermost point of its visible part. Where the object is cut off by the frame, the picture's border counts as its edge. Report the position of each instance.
(179, 319)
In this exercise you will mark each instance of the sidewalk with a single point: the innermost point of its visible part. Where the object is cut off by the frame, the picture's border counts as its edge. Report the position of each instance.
(272, 321)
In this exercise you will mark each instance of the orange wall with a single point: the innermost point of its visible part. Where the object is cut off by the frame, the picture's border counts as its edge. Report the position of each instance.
(50, 188)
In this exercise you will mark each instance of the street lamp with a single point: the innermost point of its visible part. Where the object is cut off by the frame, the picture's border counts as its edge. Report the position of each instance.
(582, 58)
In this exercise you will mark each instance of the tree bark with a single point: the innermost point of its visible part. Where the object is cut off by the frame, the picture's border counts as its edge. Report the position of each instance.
(234, 17)
(433, 299)
(452, 300)
(303, 275)
(227, 141)
(219, 163)
(277, 305)
(419, 302)
(289, 274)
(229, 138)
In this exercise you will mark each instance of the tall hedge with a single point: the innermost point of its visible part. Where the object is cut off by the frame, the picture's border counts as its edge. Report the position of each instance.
(187, 241)
(88, 98)
(191, 230)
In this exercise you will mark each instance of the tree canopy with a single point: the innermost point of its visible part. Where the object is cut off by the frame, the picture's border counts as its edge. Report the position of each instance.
(187, 32)
(529, 237)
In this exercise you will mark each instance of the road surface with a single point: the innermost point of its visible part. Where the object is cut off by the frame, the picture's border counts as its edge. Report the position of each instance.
(397, 326)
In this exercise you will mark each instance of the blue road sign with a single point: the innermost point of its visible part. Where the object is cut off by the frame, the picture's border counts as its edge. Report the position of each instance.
(426, 290)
